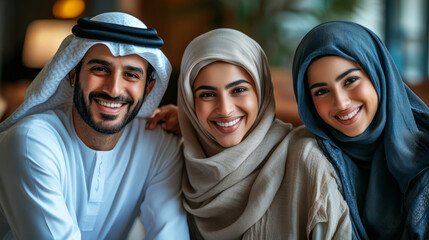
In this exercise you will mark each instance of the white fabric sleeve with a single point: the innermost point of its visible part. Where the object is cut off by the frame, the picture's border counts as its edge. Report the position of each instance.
(162, 213)
(30, 185)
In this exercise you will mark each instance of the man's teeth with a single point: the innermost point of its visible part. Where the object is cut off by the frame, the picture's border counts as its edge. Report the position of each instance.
(228, 124)
(111, 105)
(350, 115)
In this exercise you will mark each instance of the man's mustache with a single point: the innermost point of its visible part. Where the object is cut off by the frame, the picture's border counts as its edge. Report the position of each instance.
(107, 97)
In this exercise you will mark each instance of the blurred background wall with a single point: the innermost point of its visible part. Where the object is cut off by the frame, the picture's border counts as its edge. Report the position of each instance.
(278, 25)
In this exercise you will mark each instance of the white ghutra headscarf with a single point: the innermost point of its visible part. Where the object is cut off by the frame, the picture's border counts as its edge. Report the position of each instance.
(51, 87)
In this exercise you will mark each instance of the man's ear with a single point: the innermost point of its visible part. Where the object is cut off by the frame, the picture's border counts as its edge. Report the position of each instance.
(72, 77)
(149, 88)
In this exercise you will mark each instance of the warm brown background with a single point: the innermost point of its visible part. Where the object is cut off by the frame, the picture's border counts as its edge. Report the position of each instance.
(179, 21)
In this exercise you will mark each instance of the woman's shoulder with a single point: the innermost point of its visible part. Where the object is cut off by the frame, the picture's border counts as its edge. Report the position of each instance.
(301, 133)
(304, 141)
(314, 184)
(307, 155)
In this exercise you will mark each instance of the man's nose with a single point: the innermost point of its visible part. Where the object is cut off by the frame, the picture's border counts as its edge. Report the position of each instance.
(113, 84)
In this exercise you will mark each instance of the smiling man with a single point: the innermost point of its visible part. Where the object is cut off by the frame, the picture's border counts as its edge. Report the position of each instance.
(114, 91)
(77, 161)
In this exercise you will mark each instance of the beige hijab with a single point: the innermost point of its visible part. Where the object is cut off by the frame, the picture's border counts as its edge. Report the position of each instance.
(228, 190)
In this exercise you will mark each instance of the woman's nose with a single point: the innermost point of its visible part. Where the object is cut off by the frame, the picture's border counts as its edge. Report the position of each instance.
(225, 105)
(342, 99)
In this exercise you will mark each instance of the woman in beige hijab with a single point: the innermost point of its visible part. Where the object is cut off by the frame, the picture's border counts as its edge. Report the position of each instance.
(248, 175)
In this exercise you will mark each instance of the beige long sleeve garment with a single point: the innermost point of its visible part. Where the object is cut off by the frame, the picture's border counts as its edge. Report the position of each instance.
(276, 183)
(307, 204)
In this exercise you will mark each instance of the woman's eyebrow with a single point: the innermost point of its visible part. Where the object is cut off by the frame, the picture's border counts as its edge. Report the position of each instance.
(342, 75)
(204, 87)
(235, 83)
(320, 84)
(230, 85)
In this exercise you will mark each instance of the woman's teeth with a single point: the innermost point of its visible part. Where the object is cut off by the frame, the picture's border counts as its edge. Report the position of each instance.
(350, 115)
(110, 105)
(228, 124)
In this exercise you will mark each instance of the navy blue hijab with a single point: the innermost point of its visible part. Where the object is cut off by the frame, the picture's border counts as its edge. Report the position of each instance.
(377, 167)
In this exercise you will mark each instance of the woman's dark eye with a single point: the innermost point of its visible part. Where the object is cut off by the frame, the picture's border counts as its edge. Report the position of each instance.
(350, 80)
(206, 95)
(320, 92)
(239, 90)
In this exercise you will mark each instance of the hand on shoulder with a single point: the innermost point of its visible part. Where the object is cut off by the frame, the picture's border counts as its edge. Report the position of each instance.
(167, 117)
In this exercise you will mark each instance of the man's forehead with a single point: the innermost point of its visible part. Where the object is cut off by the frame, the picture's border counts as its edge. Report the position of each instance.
(101, 51)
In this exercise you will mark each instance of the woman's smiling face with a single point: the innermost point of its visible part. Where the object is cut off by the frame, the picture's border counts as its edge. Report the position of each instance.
(226, 102)
(343, 94)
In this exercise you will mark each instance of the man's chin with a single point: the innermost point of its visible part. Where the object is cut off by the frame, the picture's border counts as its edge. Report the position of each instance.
(108, 117)
(107, 129)
(106, 126)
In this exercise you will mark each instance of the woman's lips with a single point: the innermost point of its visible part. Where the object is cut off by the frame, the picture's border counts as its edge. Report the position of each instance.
(228, 126)
(349, 117)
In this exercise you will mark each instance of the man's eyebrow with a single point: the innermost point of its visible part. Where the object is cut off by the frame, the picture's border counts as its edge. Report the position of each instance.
(342, 75)
(235, 83)
(132, 68)
(99, 61)
(106, 63)
(204, 87)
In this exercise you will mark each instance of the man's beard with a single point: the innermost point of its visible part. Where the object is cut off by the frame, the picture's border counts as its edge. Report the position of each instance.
(84, 109)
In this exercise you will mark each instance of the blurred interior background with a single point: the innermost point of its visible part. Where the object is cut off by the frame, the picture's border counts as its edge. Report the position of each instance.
(31, 31)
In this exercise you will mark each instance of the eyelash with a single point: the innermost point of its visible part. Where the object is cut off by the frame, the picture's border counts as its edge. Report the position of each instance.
(238, 90)
(350, 80)
(99, 69)
(133, 75)
(347, 82)
(207, 95)
(320, 92)
(104, 70)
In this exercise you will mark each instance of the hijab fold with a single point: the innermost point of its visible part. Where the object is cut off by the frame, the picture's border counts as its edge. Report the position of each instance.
(227, 190)
(376, 167)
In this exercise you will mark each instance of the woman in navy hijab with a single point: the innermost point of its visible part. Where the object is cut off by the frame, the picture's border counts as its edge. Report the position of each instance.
(372, 127)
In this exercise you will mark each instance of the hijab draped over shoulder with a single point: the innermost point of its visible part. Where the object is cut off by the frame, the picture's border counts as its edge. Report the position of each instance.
(377, 167)
(228, 190)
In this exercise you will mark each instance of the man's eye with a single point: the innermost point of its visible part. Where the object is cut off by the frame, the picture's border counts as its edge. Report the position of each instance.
(132, 75)
(99, 69)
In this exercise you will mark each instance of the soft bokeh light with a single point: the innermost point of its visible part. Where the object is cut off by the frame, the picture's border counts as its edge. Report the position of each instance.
(42, 40)
(68, 8)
